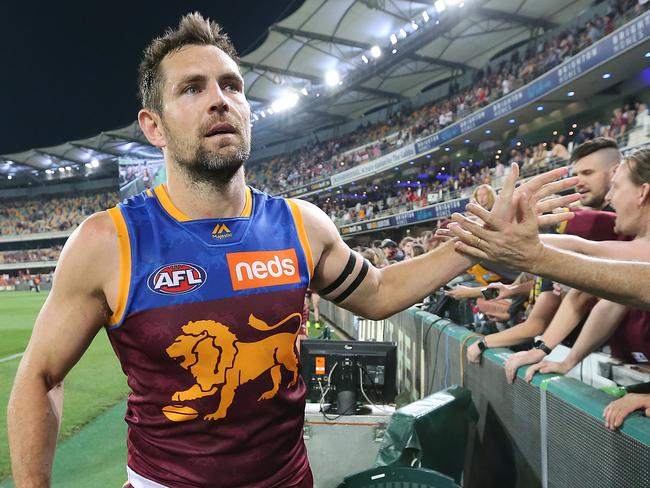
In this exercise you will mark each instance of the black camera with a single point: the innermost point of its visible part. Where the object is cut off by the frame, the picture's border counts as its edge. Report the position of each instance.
(490, 293)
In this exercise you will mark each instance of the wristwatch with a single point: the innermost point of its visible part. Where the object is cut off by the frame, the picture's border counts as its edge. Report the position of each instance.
(482, 345)
(539, 344)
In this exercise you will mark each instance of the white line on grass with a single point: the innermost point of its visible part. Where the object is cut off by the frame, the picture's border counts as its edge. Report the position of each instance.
(9, 358)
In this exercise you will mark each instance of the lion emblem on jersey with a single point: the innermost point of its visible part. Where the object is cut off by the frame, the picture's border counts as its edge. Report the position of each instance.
(218, 360)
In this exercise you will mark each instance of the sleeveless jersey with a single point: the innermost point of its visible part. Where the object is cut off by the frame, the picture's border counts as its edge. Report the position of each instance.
(205, 330)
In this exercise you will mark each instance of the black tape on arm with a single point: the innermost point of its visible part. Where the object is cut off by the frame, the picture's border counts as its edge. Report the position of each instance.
(354, 285)
(342, 277)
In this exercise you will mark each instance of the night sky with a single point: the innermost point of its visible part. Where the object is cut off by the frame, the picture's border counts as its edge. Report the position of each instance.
(68, 69)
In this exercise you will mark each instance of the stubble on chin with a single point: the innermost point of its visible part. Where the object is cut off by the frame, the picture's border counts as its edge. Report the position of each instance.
(202, 165)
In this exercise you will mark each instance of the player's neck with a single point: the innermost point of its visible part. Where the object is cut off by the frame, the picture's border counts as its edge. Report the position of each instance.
(205, 200)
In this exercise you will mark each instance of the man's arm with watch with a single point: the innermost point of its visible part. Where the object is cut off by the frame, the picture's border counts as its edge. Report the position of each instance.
(574, 307)
(599, 326)
(576, 304)
(537, 321)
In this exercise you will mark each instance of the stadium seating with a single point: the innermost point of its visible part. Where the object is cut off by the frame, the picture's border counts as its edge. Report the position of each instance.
(282, 173)
(52, 213)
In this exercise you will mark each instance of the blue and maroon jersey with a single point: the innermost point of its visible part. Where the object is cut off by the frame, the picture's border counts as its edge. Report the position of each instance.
(205, 330)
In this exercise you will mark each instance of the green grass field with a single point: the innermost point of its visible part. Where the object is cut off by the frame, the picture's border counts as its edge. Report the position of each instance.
(93, 425)
(93, 385)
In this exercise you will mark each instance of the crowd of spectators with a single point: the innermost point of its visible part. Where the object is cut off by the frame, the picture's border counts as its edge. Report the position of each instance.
(31, 255)
(397, 196)
(382, 253)
(323, 159)
(25, 277)
(51, 213)
(145, 171)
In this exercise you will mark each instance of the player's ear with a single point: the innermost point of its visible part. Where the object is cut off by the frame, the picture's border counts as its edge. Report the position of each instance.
(151, 126)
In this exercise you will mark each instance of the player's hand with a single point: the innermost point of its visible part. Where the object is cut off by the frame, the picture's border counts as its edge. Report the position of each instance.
(515, 244)
(461, 292)
(519, 359)
(510, 234)
(616, 411)
(474, 353)
(443, 235)
(547, 367)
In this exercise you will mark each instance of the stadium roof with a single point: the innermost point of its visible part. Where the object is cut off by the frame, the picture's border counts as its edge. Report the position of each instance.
(322, 36)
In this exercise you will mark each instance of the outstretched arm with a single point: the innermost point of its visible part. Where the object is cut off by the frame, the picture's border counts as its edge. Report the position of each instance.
(575, 305)
(516, 243)
(73, 313)
(538, 319)
(600, 325)
(344, 277)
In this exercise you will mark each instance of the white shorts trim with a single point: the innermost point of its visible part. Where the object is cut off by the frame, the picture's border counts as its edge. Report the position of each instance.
(138, 481)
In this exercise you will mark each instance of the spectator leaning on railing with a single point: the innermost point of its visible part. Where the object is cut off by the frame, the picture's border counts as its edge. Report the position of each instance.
(515, 242)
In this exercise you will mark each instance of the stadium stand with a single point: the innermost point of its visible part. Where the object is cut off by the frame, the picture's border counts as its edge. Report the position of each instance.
(396, 196)
(496, 80)
(51, 213)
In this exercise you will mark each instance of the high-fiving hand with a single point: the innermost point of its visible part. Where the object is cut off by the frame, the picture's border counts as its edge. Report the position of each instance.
(510, 232)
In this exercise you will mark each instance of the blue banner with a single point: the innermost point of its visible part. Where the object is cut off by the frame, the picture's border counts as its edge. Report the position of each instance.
(301, 190)
(434, 212)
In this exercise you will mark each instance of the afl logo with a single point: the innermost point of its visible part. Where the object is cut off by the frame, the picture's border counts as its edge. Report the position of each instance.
(175, 279)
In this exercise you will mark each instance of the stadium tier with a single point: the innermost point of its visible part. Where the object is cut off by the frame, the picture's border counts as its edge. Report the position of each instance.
(524, 377)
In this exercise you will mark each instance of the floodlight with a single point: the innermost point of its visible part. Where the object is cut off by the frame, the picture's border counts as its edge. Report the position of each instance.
(439, 6)
(288, 101)
(332, 78)
(375, 51)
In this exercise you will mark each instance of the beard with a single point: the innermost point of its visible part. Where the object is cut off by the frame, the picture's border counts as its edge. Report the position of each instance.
(202, 165)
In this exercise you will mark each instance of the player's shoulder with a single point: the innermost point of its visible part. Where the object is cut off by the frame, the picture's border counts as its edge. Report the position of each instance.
(95, 237)
(312, 215)
(97, 227)
(90, 256)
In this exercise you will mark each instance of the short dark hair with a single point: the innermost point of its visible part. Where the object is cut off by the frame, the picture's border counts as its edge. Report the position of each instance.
(590, 147)
(193, 29)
